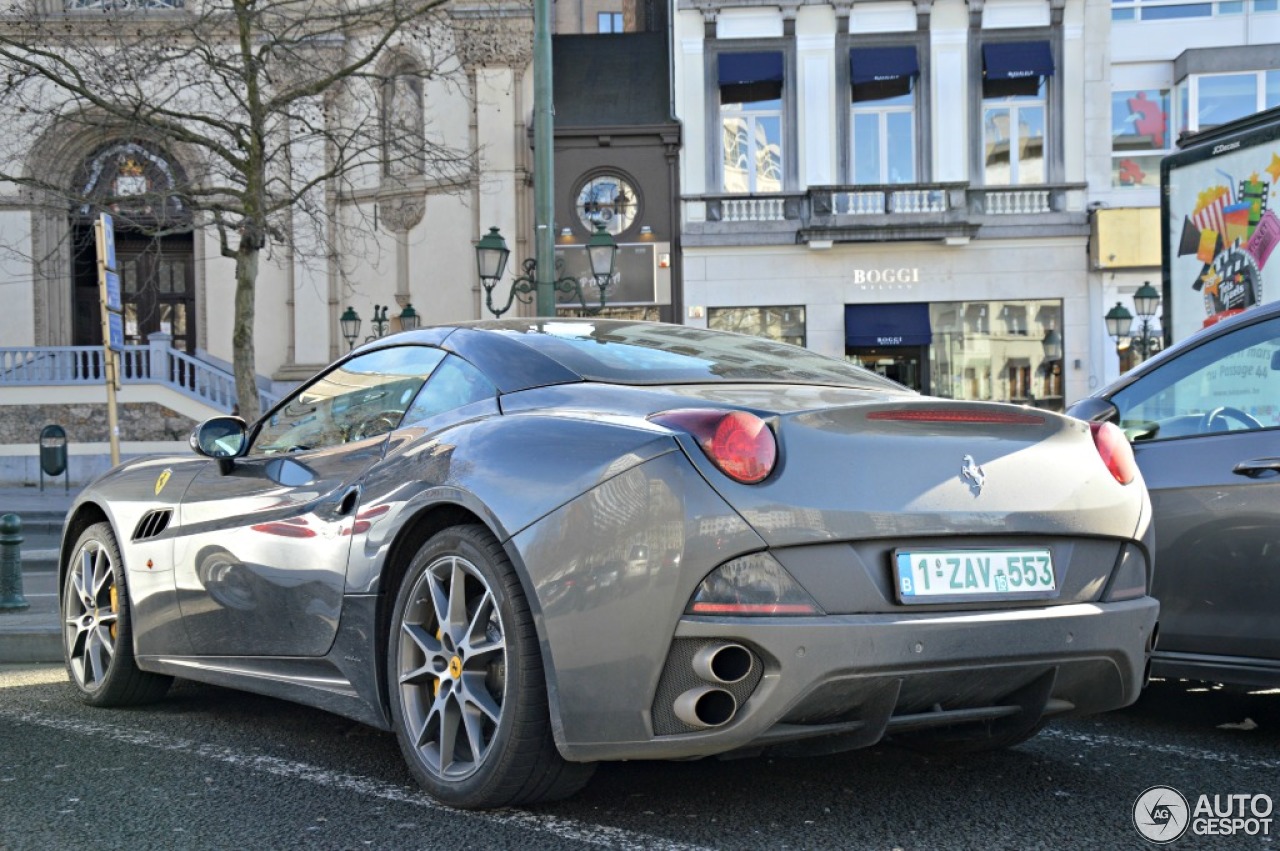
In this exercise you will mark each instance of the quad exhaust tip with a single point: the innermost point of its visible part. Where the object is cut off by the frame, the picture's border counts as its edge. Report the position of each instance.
(723, 663)
(706, 706)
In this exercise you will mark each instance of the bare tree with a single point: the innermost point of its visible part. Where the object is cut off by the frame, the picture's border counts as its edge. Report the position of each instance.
(278, 107)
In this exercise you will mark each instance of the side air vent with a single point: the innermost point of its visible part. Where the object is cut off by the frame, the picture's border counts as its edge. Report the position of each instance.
(152, 524)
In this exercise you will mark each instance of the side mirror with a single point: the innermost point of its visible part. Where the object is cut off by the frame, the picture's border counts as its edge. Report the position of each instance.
(221, 438)
(1094, 409)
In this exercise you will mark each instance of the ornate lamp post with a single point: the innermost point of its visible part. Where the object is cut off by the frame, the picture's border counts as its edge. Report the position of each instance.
(350, 321)
(1120, 321)
(1146, 301)
(491, 261)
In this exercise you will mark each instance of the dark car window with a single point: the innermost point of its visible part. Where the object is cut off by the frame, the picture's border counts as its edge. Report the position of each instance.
(453, 384)
(646, 353)
(362, 398)
(1230, 383)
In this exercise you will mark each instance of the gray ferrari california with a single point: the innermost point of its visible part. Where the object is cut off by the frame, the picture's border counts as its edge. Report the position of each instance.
(526, 546)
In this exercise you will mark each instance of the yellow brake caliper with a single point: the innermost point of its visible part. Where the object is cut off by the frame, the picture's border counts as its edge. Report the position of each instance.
(115, 610)
(435, 689)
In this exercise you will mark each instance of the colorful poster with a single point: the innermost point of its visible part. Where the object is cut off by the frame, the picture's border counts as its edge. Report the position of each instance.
(1221, 228)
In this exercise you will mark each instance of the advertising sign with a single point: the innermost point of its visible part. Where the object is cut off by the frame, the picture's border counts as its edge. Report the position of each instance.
(634, 275)
(113, 292)
(115, 332)
(1221, 226)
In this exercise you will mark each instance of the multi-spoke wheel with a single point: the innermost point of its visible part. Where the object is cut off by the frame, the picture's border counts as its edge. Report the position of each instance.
(468, 696)
(97, 634)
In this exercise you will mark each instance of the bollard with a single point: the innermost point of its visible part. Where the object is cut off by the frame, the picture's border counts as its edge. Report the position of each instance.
(11, 599)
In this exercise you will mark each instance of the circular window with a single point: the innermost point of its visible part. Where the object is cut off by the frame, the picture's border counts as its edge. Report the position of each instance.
(610, 200)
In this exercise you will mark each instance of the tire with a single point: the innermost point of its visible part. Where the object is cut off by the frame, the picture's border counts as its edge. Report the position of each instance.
(97, 628)
(468, 694)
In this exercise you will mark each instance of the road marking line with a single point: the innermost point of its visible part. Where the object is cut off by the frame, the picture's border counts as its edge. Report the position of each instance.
(559, 827)
(1103, 740)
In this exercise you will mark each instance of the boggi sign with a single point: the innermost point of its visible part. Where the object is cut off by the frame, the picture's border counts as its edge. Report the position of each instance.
(886, 276)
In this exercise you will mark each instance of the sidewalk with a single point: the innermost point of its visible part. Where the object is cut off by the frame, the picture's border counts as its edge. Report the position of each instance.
(32, 635)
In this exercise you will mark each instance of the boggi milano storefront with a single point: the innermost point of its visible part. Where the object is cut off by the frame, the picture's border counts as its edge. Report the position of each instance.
(1009, 351)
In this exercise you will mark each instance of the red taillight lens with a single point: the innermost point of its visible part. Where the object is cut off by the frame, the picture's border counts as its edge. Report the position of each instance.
(737, 442)
(1116, 452)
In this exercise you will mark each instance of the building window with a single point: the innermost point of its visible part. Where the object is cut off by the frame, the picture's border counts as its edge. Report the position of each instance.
(609, 22)
(1015, 82)
(1140, 136)
(751, 121)
(883, 129)
(403, 123)
(784, 324)
(610, 200)
(1016, 358)
(1207, 100)
(1164, 10)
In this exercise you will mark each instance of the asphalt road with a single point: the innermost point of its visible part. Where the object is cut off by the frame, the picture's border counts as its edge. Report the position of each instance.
(212, 768)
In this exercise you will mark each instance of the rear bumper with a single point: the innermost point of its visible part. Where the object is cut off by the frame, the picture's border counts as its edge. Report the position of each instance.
(860, 675)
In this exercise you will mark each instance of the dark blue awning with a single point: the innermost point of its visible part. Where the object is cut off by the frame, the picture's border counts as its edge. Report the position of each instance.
(1017, 60)
(882, 64)
(876, 325)
(740, 68)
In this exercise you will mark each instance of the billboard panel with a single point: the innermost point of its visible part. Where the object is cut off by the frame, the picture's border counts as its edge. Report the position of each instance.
(1221, 225)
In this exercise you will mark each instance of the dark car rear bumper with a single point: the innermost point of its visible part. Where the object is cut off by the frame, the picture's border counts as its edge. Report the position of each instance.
(860, 676)
(1237, 670)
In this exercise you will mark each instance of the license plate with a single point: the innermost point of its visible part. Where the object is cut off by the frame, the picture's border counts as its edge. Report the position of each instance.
(939, 576)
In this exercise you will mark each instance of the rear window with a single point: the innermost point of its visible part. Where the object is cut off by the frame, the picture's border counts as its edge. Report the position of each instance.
(647, 353)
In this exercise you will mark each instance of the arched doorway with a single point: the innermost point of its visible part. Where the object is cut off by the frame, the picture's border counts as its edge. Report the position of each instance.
(155, 249)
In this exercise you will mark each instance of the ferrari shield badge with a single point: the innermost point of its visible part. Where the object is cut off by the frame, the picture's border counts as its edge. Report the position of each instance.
(162, 481)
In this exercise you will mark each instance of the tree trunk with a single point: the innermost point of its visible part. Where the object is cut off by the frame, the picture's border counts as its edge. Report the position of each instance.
(243, 361)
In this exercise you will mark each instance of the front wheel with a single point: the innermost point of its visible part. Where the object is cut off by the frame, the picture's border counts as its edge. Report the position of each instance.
(468, 695)
(97, 631)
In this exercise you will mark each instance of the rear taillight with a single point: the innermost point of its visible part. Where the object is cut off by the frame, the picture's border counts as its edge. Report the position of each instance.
(1115, 450)
(737, 442)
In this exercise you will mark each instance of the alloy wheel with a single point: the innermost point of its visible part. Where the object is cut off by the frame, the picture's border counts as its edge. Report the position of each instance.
(452, 667)
(90, 614)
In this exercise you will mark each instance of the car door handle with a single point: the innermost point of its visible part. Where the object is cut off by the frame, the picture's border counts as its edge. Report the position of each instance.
(1257, 468)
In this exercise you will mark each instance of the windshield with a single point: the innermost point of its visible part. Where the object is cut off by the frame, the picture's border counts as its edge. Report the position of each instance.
(621, 352)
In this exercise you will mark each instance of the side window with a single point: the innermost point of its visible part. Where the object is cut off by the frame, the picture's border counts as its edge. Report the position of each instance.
(454, 383)
(1228, 384)
(362, 398)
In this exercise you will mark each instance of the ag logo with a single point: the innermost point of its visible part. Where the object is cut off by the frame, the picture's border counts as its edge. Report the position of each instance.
(1161, 814)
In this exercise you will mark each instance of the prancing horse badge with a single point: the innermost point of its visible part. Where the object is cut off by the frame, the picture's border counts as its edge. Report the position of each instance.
(973, 474)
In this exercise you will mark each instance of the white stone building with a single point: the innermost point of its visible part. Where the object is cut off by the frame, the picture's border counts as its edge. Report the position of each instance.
(902, 183)
(178, 290)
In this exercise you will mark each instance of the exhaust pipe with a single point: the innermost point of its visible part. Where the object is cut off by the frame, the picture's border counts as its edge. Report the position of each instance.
(706, 706)
(723, 663)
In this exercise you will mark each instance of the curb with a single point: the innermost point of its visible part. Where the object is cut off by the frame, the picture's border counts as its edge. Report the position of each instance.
(29, 644)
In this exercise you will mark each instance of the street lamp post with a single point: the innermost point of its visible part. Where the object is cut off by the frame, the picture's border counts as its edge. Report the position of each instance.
(543, 161)
(491, 261)
(350, 321)
(1120, 321)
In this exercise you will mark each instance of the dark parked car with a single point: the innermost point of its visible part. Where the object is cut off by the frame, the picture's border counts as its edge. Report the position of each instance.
(1204, 420)
(529, 546)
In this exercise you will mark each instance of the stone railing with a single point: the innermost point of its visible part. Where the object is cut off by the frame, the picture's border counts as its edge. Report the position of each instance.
(924, 205)
(155, 363)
